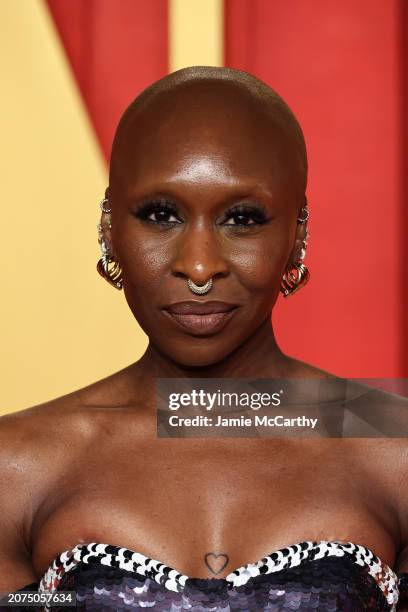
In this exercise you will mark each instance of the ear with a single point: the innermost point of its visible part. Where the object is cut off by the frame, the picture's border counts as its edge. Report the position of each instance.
(104, 232)
(301, 237)
(105, 224)
(299, 250)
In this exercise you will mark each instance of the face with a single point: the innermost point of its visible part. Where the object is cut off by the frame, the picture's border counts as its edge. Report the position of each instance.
(203, 195)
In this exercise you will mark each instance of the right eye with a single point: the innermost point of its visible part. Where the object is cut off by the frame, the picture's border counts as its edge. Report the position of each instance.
(158, 212)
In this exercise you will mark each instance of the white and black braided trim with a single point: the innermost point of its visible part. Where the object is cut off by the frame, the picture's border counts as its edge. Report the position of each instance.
(121, 558)
(295, 554)
(283, 558)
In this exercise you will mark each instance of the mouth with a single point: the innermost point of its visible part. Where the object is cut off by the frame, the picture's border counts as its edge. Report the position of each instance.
(201, 317)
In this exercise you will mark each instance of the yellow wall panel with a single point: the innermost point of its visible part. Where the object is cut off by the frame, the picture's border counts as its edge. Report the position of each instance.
(62, 325)
(195, 33)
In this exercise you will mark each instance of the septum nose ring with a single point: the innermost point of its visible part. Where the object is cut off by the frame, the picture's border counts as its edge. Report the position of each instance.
(200, 289)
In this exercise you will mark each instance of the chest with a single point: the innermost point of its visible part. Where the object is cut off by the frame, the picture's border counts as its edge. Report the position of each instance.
(179, 501)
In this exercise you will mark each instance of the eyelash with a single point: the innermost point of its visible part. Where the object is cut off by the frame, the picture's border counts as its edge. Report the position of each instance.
(257, 213)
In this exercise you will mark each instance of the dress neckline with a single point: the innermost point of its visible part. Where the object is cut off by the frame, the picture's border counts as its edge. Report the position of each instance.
(134, 562)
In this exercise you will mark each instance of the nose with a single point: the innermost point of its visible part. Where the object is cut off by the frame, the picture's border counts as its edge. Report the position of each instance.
(199, 255)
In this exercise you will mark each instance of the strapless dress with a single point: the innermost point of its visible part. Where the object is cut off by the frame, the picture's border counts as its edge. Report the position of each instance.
(311, 575)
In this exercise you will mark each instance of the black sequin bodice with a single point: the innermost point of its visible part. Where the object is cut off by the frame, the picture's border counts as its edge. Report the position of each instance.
(323, 576)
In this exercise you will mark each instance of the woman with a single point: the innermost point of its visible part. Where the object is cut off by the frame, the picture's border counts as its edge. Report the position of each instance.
(204, 223)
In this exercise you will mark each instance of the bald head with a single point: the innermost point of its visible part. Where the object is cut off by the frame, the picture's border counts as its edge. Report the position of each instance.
(204, 102)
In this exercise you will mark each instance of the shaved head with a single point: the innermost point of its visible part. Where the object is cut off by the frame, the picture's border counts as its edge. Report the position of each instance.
(207, 180)
(201, 101)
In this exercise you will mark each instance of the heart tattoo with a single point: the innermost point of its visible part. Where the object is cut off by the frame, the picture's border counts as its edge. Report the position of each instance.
(216, 561)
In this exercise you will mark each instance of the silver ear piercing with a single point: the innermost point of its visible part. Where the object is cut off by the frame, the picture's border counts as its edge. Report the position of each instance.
(107, 211)
(304, 215)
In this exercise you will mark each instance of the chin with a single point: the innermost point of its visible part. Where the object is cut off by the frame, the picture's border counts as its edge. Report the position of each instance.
(194, 355)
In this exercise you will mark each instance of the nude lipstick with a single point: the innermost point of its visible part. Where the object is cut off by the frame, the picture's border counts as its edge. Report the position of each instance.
(201, 317)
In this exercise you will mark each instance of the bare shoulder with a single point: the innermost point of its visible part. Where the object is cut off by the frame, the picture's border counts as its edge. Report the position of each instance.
(57, 419)
(42, 438)
(377, 421)
(374, 425)
(35, 444)
(301, 369)
(27, 466)
(41, 426)
(37, 447)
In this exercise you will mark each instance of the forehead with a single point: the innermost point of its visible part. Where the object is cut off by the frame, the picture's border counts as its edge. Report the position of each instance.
(203, 135)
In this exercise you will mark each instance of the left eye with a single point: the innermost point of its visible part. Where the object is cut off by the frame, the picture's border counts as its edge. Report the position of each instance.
(246, 216)
(241, 219)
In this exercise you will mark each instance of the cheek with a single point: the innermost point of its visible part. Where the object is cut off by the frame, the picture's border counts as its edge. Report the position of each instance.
(259, 264)
(143, 259)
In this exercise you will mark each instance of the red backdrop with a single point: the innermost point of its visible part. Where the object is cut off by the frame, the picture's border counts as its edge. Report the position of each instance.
(341, 66)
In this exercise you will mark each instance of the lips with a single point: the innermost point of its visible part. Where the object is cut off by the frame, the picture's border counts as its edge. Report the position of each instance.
(201, 318)
(199, 308)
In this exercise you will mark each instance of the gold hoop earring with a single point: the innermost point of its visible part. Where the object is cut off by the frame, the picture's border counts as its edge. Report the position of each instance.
(109, 268)
(296, 276)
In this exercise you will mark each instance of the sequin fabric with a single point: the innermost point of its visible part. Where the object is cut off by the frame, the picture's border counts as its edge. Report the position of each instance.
(324, 576)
